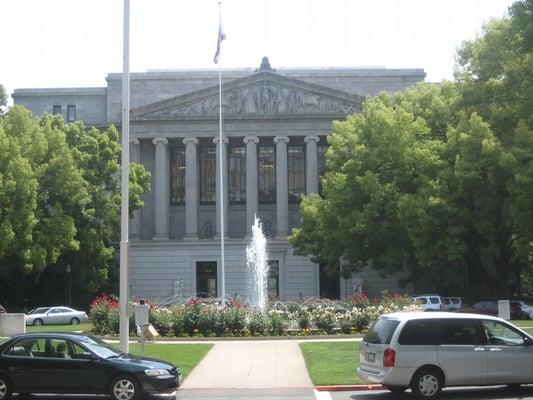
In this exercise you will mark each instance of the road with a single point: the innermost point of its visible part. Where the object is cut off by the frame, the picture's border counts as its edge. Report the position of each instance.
(489, 393)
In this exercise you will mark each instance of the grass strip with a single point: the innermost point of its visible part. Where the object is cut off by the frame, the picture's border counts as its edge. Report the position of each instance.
(85, 328)
(184, 356)
(332, 363)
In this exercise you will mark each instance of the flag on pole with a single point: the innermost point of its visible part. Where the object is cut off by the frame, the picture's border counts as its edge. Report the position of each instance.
(221, 37)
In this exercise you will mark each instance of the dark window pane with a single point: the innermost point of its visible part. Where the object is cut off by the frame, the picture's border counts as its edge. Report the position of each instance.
(71, 113)
(321, 158)
(381, 331)
(208, 160)
(237, 174)
(420, 332)
(461, 332)
(177, 174)
(267, 174)
(329, 285)
(273, 280)
(56, 109)
(296, 166)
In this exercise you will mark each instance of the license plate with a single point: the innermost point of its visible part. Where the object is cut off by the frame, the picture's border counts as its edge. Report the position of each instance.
(370, 357)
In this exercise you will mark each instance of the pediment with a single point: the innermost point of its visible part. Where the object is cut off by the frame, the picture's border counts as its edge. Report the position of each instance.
(261, 95)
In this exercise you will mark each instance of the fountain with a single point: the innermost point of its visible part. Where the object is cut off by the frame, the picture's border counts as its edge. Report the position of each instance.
(256, 261)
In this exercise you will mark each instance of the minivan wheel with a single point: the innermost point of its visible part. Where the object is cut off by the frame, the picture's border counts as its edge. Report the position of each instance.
(125, 388)
(396, 389)
(5, 388)
(427, 384)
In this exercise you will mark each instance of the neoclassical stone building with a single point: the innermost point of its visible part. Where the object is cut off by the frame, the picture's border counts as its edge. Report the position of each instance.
(275, 126)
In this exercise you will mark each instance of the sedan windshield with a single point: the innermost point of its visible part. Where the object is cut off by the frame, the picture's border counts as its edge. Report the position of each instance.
(40, 310)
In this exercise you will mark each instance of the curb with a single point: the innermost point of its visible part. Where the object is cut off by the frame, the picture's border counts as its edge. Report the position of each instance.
(348, 388)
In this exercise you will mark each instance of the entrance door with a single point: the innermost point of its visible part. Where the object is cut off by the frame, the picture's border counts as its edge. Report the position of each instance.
(206, 278)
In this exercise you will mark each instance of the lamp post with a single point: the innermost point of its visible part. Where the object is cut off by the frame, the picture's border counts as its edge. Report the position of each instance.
(68, 270)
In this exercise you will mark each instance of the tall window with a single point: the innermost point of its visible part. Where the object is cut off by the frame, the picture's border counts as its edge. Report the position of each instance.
(267, 174)
(177, 174)
(71, 113)
(237, 174)
(321, 158)
(296, 166)
(208, 160)
(273, 280)
(56, 109)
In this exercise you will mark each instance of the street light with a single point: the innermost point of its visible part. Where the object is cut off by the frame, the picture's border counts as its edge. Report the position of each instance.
(69, 290)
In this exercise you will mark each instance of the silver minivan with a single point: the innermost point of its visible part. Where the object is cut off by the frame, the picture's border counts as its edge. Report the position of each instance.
(428, 351)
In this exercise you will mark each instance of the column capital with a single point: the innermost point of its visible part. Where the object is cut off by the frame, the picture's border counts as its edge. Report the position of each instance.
(284, 139)
(134, 141)
(309, 139)
(190, 140)
(158, 140)
(251, 139)
(224, 140)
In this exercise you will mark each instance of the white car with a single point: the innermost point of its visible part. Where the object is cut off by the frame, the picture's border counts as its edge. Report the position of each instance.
(452, 303)
(55, 316)
(526, 308)
(429, 302)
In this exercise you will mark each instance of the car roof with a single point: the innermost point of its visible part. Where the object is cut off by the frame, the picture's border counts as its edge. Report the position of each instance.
(404, 316)
(70, 335)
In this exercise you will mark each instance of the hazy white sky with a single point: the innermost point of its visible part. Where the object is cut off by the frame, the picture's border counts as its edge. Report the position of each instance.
(76, 43)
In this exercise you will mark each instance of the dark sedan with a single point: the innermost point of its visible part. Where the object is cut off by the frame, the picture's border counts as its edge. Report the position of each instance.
(80, 364)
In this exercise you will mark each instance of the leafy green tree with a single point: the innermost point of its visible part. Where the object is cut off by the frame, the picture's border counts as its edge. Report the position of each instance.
(59, 184)
(3, 99)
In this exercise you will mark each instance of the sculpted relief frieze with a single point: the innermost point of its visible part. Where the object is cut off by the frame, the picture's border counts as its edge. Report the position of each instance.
(262, 100)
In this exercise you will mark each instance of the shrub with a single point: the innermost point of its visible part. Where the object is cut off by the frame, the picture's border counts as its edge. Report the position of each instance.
(104, 315)
(256, 323)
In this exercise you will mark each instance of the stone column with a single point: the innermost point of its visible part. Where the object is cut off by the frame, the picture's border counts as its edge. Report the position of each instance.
(222, 191)
(161, 181)
(191, 188)
(282, 187)
(135, 222)
(252, 189)
(311, 164)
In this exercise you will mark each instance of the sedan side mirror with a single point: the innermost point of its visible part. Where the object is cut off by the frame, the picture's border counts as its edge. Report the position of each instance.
(528, 341)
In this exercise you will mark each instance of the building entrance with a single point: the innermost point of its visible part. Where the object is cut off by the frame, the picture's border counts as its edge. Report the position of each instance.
(206, 279)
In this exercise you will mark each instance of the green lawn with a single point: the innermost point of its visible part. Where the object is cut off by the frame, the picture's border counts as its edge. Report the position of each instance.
(332, 363)
(184, 356)
(86, 328)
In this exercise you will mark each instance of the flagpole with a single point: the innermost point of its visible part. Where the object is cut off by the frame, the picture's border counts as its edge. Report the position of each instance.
(124, 211)
(221, 168)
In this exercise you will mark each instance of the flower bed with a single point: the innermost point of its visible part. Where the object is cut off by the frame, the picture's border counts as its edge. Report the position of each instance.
(295, 317)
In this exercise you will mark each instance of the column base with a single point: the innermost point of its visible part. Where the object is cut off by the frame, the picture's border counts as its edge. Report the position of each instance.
(159, 238)
(190, 238)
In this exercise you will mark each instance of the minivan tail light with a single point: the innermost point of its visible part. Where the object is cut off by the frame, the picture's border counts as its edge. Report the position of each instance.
(388, 357)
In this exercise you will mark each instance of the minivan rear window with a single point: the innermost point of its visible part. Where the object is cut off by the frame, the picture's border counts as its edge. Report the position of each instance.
(381, 331)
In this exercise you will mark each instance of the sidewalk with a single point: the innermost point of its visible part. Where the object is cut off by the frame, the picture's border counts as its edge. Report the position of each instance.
(251, 365)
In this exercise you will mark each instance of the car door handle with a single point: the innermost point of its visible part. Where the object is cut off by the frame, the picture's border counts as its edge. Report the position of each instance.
(479, 349)
(495, 349)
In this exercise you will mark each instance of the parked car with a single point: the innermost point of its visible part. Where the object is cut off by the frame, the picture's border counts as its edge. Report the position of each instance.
(527, 310)
(55, 316)
(452, 303)
(429, 302)
(490, 307)
(80, 364)
(429, 351)
(2, 310)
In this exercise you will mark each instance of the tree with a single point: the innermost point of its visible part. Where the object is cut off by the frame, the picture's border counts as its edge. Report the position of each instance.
(3, 99)
(59, 184)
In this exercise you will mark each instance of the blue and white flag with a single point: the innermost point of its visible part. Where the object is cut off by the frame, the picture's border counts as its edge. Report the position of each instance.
(221, 37)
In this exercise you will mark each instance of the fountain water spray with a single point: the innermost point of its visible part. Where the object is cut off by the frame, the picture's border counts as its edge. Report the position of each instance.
(256, 260)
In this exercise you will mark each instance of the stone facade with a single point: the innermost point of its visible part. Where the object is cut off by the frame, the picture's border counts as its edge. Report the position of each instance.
(275, 119)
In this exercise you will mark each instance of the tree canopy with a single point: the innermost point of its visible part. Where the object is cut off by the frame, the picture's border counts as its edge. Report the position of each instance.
(439, 175)
(60, 200)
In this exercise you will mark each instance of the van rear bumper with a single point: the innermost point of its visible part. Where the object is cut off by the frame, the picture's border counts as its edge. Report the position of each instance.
(393, 376)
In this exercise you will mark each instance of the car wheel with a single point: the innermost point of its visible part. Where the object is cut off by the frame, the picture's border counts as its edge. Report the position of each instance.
(74, 321)
(38, 322)
(125, 388)
(427, 383)
(396, 389)
(514, 387)
(5, 388)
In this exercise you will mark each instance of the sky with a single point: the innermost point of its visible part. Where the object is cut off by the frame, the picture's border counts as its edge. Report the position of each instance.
(76, 43)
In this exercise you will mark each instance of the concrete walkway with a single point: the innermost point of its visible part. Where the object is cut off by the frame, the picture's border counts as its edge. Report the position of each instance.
(251, 365)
